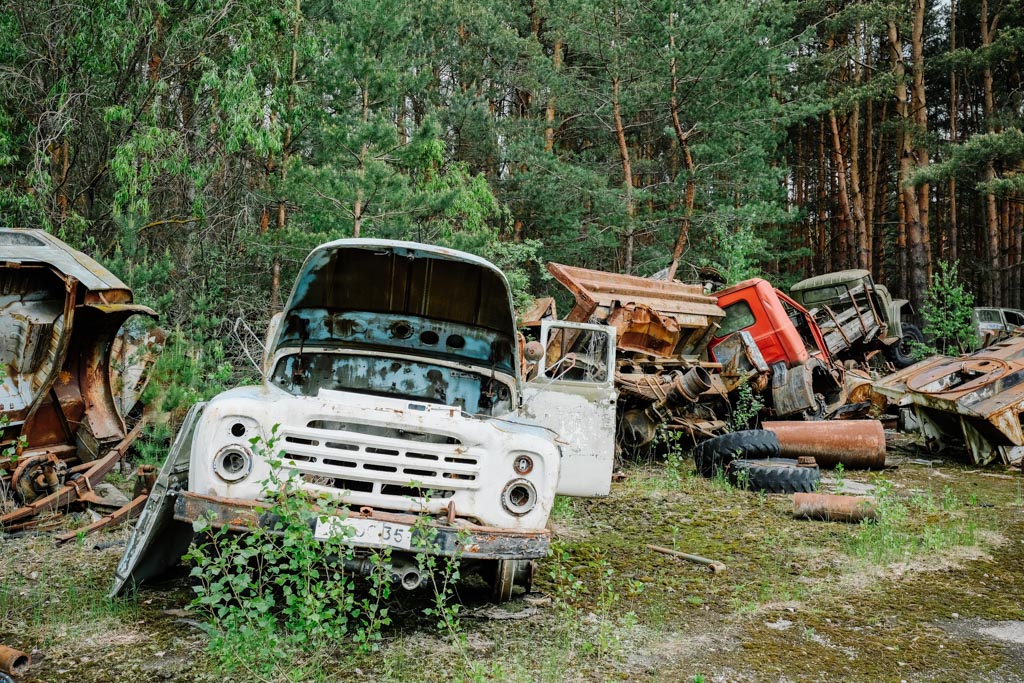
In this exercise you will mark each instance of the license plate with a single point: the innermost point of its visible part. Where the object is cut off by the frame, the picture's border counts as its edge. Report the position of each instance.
(369, 532)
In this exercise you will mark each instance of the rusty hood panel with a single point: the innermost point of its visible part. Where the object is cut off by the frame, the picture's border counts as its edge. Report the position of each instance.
(655, 317)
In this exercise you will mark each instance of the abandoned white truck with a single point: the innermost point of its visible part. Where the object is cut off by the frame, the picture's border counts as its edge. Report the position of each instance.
(393, 383)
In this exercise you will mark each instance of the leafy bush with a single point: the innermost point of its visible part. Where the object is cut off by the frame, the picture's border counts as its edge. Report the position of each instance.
(277, 592)
(947, 313)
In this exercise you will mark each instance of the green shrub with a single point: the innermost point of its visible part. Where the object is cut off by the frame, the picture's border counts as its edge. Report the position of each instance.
(947, 313)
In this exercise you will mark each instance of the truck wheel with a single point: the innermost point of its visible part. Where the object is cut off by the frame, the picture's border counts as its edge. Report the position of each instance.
(902, 352)
(511, 573)
(779, 475)
(714, 455)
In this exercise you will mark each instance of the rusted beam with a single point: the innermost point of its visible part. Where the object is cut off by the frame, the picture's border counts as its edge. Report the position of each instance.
(714, 565)
(129, 511)
(69, 493)
(857, 444)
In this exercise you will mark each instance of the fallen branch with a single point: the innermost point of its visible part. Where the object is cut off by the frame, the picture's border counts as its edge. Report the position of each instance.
(714, 565)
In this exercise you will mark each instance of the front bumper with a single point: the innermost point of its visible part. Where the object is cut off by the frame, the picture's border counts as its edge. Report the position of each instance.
(467, 540)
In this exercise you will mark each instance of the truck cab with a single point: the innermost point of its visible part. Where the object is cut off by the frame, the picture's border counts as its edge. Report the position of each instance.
(804, 380)
(392, 383)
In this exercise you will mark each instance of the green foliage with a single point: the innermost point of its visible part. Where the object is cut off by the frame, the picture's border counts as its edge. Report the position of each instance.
(277, 595)
(746, 408)
(907, 527)
(947, 313)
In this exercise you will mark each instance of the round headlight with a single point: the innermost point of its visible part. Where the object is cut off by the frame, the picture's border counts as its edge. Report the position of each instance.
(232, 463)
(519, 496)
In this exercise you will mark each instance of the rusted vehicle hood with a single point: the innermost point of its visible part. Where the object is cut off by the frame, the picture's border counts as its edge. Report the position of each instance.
(388, 297)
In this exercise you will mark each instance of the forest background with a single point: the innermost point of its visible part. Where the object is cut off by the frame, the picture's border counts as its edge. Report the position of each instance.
(201, 148)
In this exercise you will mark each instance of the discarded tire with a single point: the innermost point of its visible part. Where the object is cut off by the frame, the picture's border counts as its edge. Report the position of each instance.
(779, 475)
(902, 352)
(714, 455)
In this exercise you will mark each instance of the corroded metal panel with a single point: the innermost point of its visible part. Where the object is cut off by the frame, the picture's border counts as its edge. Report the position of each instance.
(656, 317)
(60, 312)
(976, 398)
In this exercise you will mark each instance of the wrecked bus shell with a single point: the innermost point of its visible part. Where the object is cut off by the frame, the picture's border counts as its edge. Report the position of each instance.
(60, 314)
(975, 400)
(392, 385)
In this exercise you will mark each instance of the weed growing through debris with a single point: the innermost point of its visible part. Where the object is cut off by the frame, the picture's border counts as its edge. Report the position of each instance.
(278, 591)
(839, 475)
(748, 406)
(908, 526)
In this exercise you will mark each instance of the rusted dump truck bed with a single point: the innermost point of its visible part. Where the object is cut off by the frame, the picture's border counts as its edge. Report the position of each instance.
(652, 317)
(977, 399)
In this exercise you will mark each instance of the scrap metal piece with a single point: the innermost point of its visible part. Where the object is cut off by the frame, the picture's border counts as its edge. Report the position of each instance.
(654, 317)
(14, 662)
(833, 508)
(60, 314)
(715, 566)
(158, 541)
(857, 444)
(123, 513)
(78, 485)
(976, 400)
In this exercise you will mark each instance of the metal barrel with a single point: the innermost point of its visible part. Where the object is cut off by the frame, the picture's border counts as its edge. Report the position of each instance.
(14, 662)
(692, 384)
(857, 444)
(833, 508)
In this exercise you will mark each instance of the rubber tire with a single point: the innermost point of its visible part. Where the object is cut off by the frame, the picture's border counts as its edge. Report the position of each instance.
(900, 353)
(714, 455)
(779, 475)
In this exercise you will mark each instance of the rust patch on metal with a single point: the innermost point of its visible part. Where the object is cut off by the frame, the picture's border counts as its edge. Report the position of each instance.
(61, 313)
(975, 400)
(857, 444)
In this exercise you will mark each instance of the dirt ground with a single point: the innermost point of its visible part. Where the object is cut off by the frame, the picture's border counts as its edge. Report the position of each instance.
(935, 592)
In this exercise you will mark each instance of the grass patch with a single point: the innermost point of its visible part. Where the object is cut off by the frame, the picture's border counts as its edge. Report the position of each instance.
(909, 526)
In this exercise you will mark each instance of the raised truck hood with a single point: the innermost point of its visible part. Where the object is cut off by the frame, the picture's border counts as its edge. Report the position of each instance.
(403, 298)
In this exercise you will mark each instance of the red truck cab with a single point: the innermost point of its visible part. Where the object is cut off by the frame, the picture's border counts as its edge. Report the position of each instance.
(804, 380)
(782, 329)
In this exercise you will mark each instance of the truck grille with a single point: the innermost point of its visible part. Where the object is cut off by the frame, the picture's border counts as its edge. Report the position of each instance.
(380, 461)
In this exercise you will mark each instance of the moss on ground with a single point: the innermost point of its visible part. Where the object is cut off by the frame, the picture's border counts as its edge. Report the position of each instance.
(800, 601)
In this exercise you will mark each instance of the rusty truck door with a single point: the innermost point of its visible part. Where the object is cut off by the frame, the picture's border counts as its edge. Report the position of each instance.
(573, 393)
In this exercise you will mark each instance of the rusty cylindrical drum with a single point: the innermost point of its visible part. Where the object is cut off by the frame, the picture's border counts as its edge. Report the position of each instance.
(14, 662)
(857, 444)
(833, 508)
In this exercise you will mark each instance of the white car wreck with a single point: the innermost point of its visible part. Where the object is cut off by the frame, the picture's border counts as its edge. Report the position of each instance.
(393, 382)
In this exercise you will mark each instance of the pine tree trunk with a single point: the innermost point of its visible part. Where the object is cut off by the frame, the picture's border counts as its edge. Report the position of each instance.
(953, 251)
(627, 176)
(549, 110)
(845, 218)
(682, 139)
(991, 207)
(918, 266)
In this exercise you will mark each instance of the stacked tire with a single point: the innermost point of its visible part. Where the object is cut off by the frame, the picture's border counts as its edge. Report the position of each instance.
(749, 459)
